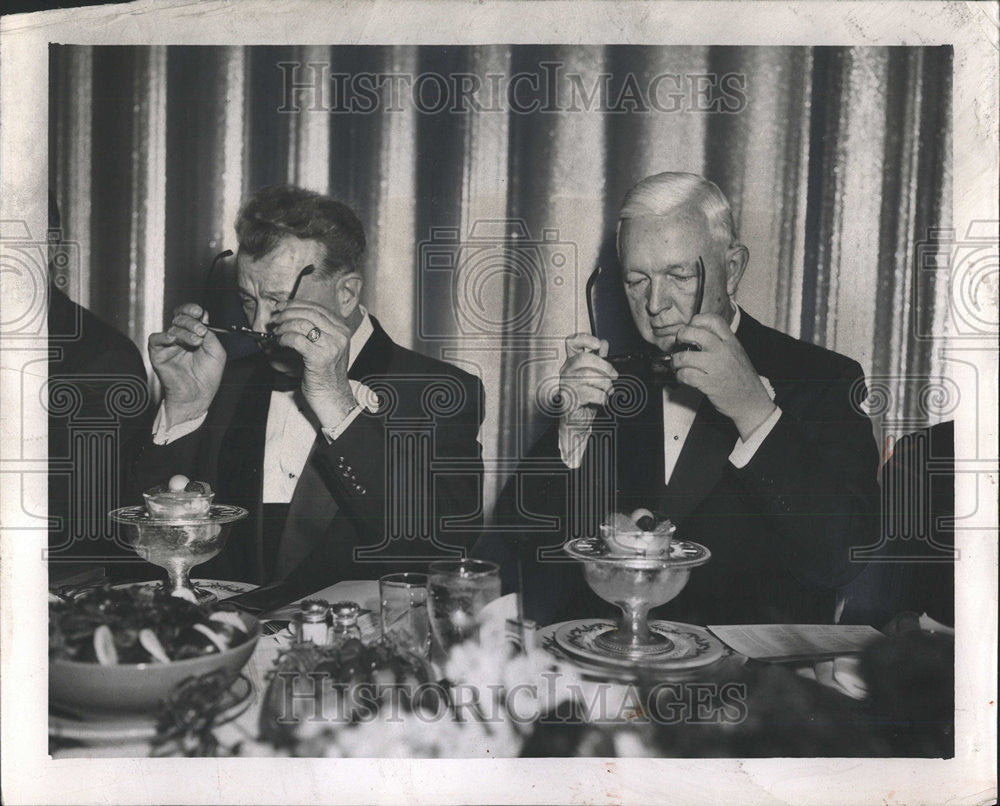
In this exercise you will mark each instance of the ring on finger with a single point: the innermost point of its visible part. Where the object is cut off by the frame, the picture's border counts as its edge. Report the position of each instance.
(314, 334)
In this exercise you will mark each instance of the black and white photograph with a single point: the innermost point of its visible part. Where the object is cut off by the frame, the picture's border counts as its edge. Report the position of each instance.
(603, 409)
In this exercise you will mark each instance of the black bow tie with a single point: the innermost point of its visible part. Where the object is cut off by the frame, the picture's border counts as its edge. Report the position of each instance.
(280, 382)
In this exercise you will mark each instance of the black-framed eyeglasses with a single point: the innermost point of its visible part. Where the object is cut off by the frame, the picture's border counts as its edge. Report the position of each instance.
(260, 336)
(649, 361)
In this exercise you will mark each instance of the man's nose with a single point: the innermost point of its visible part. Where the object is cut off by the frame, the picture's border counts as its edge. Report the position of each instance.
(660, 297)
(262, 316)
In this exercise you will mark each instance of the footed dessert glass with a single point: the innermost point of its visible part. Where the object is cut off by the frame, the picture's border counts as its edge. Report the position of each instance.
(635, 583)
(178, 544)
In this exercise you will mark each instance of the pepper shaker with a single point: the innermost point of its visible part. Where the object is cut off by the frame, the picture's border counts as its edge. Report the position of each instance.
(312, 622)
(345, 622)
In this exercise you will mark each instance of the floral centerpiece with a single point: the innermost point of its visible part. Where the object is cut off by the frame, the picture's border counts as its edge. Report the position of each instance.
(378, 701)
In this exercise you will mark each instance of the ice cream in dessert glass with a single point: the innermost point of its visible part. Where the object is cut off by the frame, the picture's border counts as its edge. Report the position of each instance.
(638, 534)
(178, 528)
(636, 565)
(179, 499)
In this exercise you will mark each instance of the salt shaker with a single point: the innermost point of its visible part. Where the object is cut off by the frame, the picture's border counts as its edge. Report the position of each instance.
(345, 622)
(312, 622)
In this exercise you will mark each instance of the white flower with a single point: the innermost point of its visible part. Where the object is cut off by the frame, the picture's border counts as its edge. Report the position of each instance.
(497, 694)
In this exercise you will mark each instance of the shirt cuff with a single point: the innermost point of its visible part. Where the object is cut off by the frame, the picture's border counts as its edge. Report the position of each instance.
(744, 451)
(572, 445)
(367, 401)
(164, 436)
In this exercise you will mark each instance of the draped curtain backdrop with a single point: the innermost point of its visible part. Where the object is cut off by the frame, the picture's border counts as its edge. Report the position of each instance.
(486, 212)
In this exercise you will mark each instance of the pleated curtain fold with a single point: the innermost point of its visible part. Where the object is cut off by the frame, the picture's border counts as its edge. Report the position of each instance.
(486, 214)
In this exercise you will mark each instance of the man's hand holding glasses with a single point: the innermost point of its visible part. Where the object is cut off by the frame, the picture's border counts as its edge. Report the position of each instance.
(189, 360)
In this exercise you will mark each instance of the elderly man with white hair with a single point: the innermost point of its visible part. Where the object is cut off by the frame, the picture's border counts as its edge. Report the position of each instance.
(750, 443)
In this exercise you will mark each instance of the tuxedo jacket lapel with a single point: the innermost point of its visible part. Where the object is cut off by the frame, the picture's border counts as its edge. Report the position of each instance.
(640, 456)
(375, 356)
(703, 460)
(310, 513)
(312, 508)
(699, 467)
(752, 335)
(242, 403)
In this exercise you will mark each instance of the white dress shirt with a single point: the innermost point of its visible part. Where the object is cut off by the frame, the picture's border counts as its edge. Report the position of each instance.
(290, 431)
(680, 405)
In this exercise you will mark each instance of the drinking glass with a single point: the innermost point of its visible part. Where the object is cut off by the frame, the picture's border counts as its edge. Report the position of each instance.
(458, 591)
(404, 611)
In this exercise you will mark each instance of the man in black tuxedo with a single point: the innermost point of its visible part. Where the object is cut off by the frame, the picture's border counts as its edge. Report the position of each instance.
(97, 400)
(341, 444)
(755, 450)
(97, 404)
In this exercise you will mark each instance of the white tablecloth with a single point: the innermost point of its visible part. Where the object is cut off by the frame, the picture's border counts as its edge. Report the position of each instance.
(366, 594)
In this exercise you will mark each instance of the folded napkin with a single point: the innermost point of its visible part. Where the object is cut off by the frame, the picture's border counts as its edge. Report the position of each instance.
(494, 618)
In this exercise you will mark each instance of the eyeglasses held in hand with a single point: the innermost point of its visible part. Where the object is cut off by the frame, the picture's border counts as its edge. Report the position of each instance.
(243, 329)
(649, 362)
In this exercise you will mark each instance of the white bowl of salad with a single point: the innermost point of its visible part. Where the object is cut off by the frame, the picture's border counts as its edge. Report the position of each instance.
(118, 651)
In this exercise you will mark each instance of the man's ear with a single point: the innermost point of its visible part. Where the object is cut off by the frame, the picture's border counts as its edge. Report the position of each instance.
(348, 291)
(737, 257)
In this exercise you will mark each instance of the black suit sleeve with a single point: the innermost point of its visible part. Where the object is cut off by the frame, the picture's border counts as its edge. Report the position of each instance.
(398, 476)
(121, 358)
(815, 474)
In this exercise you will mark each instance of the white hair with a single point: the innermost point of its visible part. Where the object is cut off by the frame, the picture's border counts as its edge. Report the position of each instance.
(663, 193)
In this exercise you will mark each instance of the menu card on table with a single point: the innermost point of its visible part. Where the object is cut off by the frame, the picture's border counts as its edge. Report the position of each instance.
(781, 643)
